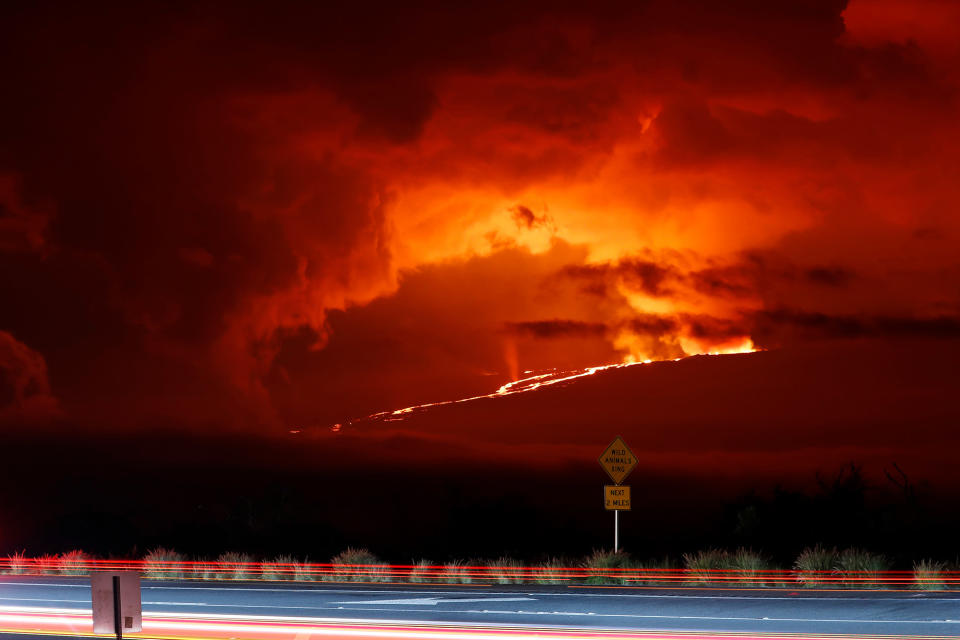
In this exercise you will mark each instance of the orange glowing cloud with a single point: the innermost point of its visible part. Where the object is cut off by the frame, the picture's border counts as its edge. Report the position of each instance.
(253, 215)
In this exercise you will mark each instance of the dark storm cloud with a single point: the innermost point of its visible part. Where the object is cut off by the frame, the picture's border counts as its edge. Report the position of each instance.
(652, 325)
(525, 218)
(690, 134)
(648, 277)
(735, 281)
(695, 325)
(24, 385)
(751, 274)
(23, 227)
(637, 274)
(572, 113)
(829, 276)
(646, 325)
(201, 235)
(780, 324)
(704, 326)
(556, 328)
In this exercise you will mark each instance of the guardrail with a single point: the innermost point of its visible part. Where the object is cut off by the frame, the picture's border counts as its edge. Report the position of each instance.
(484, 574)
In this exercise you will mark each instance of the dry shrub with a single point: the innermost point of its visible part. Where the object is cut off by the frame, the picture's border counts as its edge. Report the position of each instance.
(234, 566)
(358, 565)
(74, 563)
(162, 563)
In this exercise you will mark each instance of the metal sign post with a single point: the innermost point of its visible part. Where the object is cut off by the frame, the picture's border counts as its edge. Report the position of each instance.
(618, 461)
(117, 627)
(616, 498)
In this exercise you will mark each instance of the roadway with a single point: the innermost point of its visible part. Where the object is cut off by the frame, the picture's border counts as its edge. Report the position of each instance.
(323, 608)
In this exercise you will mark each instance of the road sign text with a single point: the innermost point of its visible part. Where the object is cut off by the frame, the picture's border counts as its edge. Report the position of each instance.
(617, 460)
(616, 497)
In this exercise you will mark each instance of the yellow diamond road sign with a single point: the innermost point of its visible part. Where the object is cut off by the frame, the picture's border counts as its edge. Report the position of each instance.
(617, 460)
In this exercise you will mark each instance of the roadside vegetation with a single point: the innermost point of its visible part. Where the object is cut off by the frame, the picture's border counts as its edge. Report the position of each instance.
(606, 567)
(740, 568)
(815, 567)
(163, 563)
(356, 565)
(861, 569)
(928, 575)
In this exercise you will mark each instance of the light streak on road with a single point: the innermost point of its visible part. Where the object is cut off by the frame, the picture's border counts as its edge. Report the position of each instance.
(170, 626)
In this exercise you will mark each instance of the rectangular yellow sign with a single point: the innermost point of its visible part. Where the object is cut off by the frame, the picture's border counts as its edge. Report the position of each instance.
(616, 497)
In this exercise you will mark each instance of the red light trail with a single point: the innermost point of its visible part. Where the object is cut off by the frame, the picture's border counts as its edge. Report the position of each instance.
(481, 574)
(168, 626)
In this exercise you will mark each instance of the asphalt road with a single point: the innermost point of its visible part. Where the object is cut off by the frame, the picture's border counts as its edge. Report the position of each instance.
(889, 613)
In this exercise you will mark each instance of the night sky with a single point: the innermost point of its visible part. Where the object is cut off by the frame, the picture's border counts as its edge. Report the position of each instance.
(230, 233)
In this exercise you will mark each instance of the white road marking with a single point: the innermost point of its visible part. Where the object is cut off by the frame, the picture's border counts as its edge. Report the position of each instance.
(535, 613)
(431, 601)
(228, 617)
(444, 595)
(802, 597)
(737, 618)
(87, 601)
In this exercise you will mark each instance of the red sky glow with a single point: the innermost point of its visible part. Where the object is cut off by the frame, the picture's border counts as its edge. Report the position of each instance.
(273, 218)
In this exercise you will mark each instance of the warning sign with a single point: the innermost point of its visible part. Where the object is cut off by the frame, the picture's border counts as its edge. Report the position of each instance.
(617, 460)
(616, 497)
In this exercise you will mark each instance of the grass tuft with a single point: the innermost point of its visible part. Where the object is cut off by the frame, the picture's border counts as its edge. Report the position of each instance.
(551, 572)
(233, 566)
(17, 563)
(46, 565)
(73, 563)
(302, 572)
(701, 566)
(422, 571)
(358, 565)
(860, 568)
(280, 568)
(456, 573)
(203, 569)
(928, 575)
(749, 567)
(814, 566)
(162, 563)
(505, 570)
(656, 572)
(601, 561)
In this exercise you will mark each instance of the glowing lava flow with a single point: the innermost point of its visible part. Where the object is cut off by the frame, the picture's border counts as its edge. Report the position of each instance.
(531, 383)
(517, 386)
